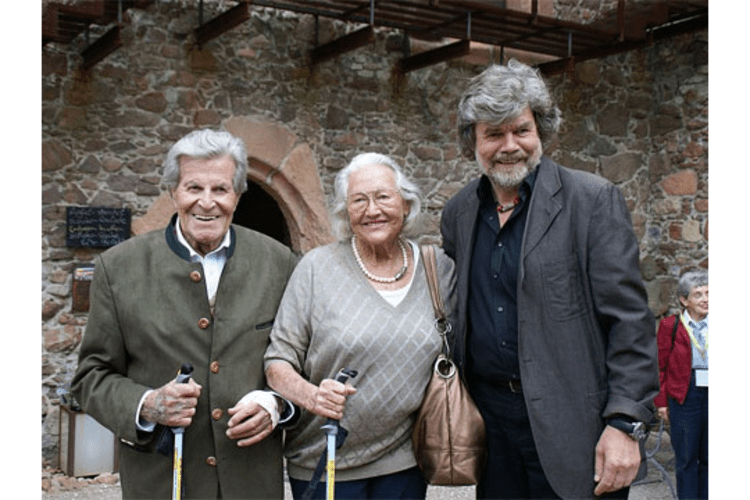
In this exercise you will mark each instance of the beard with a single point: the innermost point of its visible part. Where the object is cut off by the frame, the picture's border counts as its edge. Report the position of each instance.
(511, 178)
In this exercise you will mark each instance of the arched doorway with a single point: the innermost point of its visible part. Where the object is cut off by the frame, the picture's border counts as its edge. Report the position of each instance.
(259, 211)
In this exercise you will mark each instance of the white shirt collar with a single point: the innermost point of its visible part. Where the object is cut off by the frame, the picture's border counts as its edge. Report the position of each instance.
(689, 319)
(225, 242)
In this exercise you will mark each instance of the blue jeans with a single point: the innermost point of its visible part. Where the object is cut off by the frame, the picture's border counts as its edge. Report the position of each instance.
(403, 485)
(689, 434)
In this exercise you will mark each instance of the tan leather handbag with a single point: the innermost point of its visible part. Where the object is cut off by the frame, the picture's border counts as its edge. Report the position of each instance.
(449, 435)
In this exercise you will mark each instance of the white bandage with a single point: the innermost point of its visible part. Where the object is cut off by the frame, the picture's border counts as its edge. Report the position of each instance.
(266, 400)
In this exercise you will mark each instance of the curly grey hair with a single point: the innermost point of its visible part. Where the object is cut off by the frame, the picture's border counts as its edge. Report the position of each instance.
(501, 93)
(407, 189)
(207, 144)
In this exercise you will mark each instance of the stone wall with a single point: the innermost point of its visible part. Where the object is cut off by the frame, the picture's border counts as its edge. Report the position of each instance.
(639, 119)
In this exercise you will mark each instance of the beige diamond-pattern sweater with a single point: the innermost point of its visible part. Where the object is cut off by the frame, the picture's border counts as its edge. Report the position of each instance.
(332, 318)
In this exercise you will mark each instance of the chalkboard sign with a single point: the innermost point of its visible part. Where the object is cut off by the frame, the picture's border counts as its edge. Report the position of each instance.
(97, 226)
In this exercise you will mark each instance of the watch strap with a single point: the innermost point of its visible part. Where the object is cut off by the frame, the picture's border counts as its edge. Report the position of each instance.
(636, 430)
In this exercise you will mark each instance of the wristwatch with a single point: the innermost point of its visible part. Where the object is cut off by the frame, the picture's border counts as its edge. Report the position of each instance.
(636, 430)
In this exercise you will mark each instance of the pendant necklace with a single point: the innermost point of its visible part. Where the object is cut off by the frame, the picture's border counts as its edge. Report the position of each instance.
(510, 206)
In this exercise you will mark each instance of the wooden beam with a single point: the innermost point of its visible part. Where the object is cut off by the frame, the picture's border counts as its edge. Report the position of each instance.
(222, 23)
(342, 45)
(434, 56)
(564, 65)
(101, 48)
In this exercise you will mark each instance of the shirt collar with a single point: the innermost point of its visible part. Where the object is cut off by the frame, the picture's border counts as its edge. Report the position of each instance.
(225, 242)
(690, 320)
(485, 194)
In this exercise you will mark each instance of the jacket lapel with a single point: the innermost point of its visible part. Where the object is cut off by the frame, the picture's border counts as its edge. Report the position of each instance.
(544, 206)
(465, 231)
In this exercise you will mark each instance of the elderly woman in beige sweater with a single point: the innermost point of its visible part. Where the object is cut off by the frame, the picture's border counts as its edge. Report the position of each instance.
(361, 303)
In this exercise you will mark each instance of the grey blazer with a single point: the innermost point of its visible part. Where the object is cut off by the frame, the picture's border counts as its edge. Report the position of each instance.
(586, 342)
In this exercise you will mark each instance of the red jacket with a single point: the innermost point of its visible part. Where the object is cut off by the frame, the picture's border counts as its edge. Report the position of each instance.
(675, 368)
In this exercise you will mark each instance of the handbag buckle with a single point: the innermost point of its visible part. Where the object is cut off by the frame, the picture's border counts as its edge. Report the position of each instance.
(444, 367)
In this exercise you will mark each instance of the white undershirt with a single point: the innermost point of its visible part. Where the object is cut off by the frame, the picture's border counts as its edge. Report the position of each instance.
(394, 297)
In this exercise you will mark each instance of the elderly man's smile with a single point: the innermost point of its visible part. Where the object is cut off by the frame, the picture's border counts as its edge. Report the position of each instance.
(205, 200)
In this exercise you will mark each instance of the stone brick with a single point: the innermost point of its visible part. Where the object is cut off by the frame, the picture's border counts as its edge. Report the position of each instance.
(613, 120)
(153, 102)
(619, 168)
(659, 166)
(122, 183)
(691, 231)
(204, 117)
(131, 118)
(55, 156)
(427, 153)
(61, 339)
(54, 63)
(203, 60)
(112, 164)
(49, 309)
(667, 120)
(681, 184)
(336, 118)
(90, 165)
(588, 72)
(72, 118)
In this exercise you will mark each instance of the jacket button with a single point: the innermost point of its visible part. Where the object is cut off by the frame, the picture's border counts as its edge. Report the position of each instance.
(204, 323)
(217, 414)
(195, 276)
(211, 461)
(214, 367)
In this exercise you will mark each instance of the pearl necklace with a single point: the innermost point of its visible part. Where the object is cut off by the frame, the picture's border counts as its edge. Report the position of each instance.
(400, 274)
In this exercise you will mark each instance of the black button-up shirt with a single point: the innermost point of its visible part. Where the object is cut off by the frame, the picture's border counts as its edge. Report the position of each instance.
(492, 345)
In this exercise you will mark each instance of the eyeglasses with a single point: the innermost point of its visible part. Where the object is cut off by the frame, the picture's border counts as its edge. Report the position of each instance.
(383, 198)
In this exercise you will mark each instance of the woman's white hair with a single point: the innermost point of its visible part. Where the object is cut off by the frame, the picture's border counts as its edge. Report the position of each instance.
(408, 190)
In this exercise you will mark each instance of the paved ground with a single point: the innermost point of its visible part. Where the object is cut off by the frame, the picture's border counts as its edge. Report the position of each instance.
(56, 486)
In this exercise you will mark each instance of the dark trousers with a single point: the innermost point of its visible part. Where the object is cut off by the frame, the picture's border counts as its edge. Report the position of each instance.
(403, 485)
(513, 468)
(689, 434)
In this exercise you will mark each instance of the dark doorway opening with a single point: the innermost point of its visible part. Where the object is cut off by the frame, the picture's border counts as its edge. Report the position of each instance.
(259, 211)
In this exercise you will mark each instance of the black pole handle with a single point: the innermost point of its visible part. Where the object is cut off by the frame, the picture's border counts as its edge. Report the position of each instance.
(344, 374)
(183, 376)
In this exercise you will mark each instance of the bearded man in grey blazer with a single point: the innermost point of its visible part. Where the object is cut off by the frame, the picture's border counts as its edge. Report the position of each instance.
(201, 291)
(552, 326)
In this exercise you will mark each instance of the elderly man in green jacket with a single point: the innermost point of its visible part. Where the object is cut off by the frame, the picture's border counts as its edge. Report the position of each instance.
(201, 291)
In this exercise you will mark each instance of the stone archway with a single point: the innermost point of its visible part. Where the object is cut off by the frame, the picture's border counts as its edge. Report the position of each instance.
(285, 169)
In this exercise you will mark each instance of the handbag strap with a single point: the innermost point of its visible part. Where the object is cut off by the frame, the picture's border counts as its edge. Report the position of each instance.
(674, 333)
(442, 325)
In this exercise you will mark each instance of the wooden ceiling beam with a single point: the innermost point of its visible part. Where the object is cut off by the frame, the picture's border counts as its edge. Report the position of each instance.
(434, 56)
(101, 48)
(222, 23)
(342, 45)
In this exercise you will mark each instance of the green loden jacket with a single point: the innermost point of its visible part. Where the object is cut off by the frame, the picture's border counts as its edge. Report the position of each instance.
(149, 315)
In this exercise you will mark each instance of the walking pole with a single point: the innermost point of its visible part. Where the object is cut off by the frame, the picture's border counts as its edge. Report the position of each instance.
(331, 429)
(183, 376)
(335, 436)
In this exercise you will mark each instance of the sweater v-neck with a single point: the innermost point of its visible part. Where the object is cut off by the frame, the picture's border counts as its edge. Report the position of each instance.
(354, 267)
